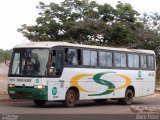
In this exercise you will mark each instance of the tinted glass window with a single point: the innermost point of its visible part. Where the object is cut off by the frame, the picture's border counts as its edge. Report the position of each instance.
(72, 57)
(133, 61)
(29, 62)
(16, 65)
(143, 61)
(105, 59)
(93, 58)
(120, 59)
(86, 57)
(136, 61)
(59, 62)
(150, 62)
(117, 59)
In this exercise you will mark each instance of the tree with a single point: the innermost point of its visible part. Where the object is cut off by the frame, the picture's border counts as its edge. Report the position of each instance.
(83, 21)
(124, 25)
(147, 34)
(5, 55)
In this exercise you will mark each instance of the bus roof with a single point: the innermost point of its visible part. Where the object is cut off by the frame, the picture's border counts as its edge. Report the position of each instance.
(53, 44)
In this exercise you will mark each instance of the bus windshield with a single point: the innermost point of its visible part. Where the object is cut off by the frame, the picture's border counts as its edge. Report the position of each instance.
(29, 62)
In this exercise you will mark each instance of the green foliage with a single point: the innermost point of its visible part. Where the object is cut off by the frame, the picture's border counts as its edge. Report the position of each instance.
(82, 21)
(5, 55)
(87, 22)
(147, 34)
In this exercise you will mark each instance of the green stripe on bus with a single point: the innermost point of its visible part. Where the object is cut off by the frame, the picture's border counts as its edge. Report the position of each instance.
(34, 93)
(97, 79)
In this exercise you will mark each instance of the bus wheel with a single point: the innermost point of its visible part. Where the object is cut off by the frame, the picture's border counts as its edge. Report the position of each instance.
(39, 102)
(70, 99)
(128, 98)
(100, 101)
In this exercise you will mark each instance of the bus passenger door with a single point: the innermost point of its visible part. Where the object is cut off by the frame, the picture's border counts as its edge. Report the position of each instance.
(53, 90)
(54, 84)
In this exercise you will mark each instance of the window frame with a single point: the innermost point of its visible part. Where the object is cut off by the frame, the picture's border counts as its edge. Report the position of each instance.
(97, 58)
(109, 51)
(76, 50)
(153, 62)
(146, 61)
(90, 66)
(124, 52)
(135, 68)
(113, 64)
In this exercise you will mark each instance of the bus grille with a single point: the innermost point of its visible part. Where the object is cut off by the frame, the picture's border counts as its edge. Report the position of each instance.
(24, 87)
(24, 94)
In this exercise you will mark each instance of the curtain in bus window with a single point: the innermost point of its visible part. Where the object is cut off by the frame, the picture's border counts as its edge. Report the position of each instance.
(133, 61)
(86, 57)
(150, 62)
(136, 61)
(59, 59)
(143, 61)
(59, 62)
(105, 59)
(72, 57)
(93, 58)
(123, 60)
(130, 60)
(102, 59)
(120, 59)
(117, 59)
(109, 59)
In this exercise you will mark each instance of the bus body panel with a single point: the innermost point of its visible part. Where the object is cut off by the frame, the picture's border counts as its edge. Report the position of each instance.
(92, 82)
(110, 75)
(83, 79)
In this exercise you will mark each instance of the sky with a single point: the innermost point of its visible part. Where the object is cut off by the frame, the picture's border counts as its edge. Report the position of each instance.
(14, 13)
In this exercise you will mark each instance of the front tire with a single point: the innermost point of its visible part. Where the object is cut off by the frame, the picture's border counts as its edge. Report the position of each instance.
(70, 100)
(39, 103)
(128, 100)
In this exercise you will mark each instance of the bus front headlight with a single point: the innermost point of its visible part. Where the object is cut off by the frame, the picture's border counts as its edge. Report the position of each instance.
(39, 86)
(11, 85)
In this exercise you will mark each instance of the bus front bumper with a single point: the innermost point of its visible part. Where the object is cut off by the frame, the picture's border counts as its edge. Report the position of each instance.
(28, 93)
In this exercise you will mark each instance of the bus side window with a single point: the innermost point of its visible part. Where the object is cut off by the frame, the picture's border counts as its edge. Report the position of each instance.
(86, 58)
(52, 70)
(59, 62)
(105, 59)
(72, 57)
(133, 61)
(150, 62)
(143, 61)
(56, 63)
(120, 60)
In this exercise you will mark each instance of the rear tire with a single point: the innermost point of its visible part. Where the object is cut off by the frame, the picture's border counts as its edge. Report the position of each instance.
(39, 103)
(70, 100)
(100, 101)
(128, 100)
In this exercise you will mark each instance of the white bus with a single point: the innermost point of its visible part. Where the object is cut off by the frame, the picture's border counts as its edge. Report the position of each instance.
(65, 72)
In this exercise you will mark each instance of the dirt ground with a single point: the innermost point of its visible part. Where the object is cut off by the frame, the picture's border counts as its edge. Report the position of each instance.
(3, 77)
(3, 87)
